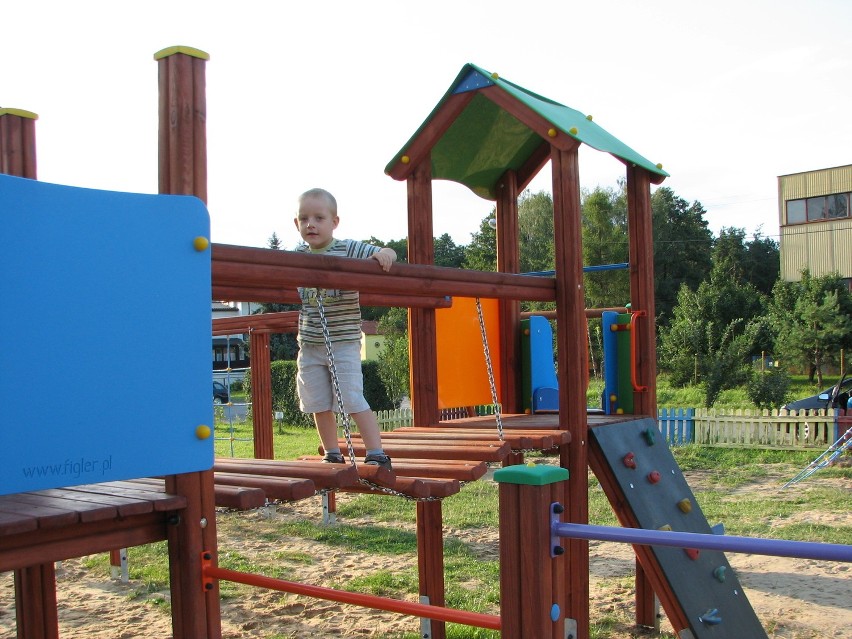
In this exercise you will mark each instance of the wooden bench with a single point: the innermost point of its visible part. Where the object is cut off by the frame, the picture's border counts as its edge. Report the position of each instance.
(42, 527)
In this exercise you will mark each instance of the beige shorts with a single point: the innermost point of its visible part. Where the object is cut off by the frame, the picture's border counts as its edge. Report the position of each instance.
(313, 379)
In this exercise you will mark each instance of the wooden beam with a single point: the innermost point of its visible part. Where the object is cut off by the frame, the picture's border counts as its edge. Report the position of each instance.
(269, 294)
(245, 267)
(573, 372)
(509, 261)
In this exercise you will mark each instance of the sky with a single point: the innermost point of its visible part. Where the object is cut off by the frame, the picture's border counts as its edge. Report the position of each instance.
(727, 95)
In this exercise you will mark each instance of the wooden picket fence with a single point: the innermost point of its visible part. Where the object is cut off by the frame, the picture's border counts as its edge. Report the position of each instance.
(767, 429)
(779, 429)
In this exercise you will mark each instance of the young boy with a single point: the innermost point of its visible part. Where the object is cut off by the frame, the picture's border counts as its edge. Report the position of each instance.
(316, 222)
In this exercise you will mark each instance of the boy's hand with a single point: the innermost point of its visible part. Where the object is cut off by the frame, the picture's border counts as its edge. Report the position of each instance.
(385, 258)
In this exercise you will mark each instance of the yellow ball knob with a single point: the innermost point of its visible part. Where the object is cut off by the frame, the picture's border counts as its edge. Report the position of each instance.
(659, 165)
(551, 133)
(589, 118)
(201, 243)
(202, 431)
(405, 159)
(494, 75)
(573, 130)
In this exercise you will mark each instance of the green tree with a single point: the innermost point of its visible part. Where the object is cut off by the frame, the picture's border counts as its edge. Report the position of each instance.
(535, 231)
(713, 332)
(273, 242)
(481, 253)
(448, 253)
(812, 319)
(682, 248)
(605, 242)
(393, 358)
(763, 262)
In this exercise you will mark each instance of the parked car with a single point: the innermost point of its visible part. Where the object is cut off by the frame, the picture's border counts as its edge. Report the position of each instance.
(220, 393)
(834, 397)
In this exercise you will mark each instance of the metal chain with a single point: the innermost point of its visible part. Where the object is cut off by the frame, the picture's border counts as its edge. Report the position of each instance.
(347, 431)
(497, 414)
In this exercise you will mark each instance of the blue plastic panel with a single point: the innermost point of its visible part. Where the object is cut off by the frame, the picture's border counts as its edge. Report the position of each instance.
(105, 329)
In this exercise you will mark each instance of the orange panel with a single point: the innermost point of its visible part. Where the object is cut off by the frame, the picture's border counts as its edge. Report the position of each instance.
(462, 372)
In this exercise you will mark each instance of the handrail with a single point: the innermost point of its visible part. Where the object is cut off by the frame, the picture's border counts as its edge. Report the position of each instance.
(637, 387)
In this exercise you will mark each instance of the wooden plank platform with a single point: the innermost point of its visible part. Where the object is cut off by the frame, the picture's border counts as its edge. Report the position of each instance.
(51, 525)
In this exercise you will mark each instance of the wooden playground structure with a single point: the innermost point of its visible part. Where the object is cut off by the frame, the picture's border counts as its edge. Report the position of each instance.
(41, 527)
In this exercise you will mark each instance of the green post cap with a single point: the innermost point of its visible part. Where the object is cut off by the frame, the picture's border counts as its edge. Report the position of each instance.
(190, 51)
(533, 475)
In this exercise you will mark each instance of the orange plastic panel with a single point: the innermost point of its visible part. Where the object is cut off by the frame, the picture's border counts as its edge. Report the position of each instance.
(462, 371)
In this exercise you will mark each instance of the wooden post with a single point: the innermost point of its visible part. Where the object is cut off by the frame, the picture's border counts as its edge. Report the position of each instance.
(532, 579)
(183, 171)
(641, 241)
(430, 558)
(422, 327)
(573, 372)
(261, 394)
(183, 121)
(35, 586)
(509, 261)
(17, 143)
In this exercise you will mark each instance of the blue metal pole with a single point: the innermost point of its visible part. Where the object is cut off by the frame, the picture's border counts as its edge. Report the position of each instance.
(751, 545)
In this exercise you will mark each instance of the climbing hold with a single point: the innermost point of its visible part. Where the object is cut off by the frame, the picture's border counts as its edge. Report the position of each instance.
(654, 476)
(719, 574)
(551, 133)
(202, 431)
(573, 130)
(554, 612)
(629, 460)
(692, 553)
(711, 617)
(200, 243)
(650, 436)
(685, 505)
(405, 159)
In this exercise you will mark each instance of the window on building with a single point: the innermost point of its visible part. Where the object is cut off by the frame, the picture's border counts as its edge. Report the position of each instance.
(837, 205)
(814, 209)
(796, 212)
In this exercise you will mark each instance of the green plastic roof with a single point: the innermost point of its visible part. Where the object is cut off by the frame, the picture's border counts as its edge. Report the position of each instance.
(485, 140)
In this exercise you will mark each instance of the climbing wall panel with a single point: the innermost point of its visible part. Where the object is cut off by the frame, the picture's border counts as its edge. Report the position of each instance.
(646, 487)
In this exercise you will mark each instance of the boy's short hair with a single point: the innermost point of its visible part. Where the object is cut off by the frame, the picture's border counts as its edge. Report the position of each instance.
(332, 203)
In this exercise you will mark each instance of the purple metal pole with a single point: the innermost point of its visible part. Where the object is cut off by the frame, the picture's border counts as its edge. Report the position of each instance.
(751, 545)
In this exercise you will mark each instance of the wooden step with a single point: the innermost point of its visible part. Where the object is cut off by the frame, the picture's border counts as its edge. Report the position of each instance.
(461, 469)
(239, 497)
(283, 488)
(324, 476)
(495, 452)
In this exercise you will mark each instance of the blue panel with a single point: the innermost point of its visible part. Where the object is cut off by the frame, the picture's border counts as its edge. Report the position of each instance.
(106, 335)
(542, 368)
(472, 81)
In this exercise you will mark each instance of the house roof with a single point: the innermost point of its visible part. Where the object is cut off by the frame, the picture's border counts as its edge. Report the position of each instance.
(485, 125)
(370, 327)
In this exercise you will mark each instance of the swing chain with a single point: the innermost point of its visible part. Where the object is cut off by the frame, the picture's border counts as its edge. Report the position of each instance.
(497, 413)
(347, 430)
